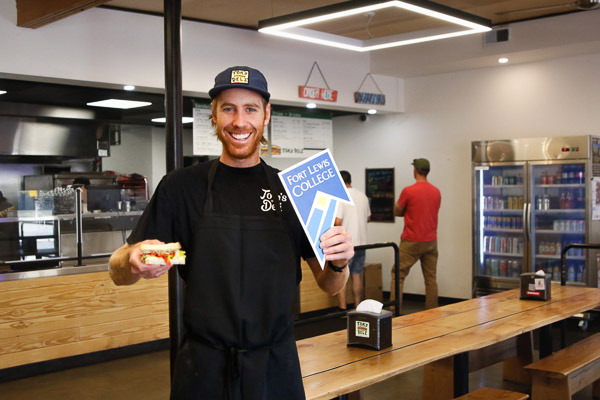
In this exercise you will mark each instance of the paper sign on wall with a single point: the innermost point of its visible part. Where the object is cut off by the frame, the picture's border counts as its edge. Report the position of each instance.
(315, 187)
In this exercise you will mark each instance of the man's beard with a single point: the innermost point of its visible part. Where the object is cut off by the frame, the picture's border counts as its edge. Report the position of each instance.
(236, 152)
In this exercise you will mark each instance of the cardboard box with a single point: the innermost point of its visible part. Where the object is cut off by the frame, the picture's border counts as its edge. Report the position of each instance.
(370, 330)
(535, 287)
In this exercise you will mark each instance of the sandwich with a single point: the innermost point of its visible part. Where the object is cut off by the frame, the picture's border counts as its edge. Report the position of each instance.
(163, 254)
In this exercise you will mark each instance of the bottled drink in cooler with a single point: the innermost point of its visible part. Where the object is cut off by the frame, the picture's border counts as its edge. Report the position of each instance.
(579, 273)
(571, 273)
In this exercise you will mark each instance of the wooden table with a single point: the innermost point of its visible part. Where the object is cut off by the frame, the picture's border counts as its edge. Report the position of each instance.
(330, 368)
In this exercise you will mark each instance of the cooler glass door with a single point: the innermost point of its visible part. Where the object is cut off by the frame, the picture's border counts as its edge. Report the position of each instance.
(558, 201)
(499, 224)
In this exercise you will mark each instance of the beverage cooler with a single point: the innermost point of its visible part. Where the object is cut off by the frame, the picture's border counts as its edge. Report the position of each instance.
(532, 197)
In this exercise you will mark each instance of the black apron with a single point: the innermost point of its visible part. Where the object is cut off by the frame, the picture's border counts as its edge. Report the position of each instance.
(238, 310)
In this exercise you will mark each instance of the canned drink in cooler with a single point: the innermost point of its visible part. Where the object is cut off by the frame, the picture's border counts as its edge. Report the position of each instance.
(516, 269)
(562, 225)
(494, 267)
(503, 268)
(488, 267)
(572, 226)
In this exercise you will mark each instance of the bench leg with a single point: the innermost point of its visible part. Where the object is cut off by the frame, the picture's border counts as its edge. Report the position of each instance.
(544, 388)
(596, 389)
(512, 368)
(438, 380)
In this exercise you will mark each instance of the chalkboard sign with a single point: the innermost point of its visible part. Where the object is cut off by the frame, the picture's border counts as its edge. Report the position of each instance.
(380, 191)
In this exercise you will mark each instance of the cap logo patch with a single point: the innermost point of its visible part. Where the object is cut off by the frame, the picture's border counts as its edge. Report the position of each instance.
(239, 76)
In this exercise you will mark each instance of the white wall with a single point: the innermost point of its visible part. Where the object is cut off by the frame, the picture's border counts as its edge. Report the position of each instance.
(444, 113)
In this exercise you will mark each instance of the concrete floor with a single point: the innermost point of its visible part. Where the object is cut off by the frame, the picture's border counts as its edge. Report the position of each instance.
(146, 376)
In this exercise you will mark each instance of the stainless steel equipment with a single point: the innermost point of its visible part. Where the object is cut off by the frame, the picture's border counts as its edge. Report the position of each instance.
(532, 197)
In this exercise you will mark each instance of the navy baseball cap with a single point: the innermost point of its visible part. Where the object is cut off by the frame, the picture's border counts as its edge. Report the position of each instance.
(242, 78)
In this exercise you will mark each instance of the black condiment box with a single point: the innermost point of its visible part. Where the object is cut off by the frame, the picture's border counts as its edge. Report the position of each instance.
(370, 330)
(535, 287)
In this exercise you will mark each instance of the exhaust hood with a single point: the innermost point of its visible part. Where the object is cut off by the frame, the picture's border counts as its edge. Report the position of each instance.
(41, 137)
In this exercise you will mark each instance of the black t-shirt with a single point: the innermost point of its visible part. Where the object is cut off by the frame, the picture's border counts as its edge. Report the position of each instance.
(178, 203)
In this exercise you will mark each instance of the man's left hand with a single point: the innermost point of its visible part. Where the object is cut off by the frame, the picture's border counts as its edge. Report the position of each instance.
(337, 246)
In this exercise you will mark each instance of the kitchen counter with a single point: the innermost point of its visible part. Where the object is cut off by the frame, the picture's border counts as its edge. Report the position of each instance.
(47, 243)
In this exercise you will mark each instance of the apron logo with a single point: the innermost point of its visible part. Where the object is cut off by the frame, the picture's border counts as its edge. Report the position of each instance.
(239, 76)
(267, 201)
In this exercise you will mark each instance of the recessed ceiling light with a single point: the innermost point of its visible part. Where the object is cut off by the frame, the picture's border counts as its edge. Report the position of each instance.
(116, 103)
(372, 111)
(184, 120)
(503, 60)
(311, 105)
(129, 87)
(2, 91)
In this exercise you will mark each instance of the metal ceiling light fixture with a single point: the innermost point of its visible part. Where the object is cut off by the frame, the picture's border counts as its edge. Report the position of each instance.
(391, 26)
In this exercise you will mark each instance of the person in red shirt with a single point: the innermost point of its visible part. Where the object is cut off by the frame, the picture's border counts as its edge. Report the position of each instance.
(419, 204)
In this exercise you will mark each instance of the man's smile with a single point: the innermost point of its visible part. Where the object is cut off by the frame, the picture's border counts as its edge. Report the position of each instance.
(240, 136)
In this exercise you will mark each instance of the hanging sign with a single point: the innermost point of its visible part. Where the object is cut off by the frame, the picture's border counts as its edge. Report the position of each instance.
(315, 93)
(315, 187)
(369, 98)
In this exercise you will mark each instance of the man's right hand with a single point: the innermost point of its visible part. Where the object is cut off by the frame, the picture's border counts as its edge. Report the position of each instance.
(146, 271)
(126, 266)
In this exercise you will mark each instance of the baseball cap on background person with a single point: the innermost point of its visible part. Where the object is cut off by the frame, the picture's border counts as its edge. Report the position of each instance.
(241, 78)
(421, 163)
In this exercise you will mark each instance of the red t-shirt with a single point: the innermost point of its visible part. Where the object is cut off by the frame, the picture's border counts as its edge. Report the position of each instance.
(421, 203)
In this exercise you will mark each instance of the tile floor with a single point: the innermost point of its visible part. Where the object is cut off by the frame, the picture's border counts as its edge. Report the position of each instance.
(146, 376)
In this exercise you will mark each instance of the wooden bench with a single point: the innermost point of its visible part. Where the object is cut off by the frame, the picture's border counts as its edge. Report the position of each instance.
(515, 353)
(567, 371)
(491, 393)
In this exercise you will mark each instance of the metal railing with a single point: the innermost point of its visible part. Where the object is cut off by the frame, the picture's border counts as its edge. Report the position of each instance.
(563, 279)
(395, 302)
(563, 257)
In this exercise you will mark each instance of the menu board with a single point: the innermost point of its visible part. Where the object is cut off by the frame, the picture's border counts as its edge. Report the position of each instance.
(317, 133)
(292, 134)
(204, 141)
(286, 135)
(380, 192)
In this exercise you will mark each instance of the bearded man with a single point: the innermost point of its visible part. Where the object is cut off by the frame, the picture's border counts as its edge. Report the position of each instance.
(243, 244)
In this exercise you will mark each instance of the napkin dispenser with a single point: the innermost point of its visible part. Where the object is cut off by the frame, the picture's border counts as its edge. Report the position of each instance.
(369, 329)
(536, 286)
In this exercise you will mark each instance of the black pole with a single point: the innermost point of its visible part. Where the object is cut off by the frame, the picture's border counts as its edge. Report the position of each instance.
(79, 227)
(173, 113)
(461, 374)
